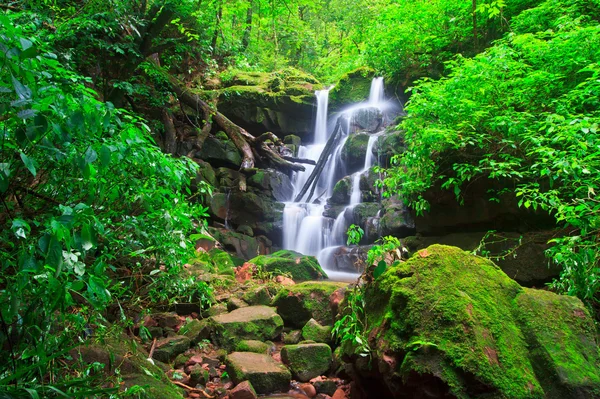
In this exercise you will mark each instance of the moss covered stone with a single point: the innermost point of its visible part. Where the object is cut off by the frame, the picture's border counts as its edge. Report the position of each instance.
(219, 152)
(301, 267)
(292, 337)
(341, 192)
(307, 361)
(265, 375)
(252, 322)
(196, 330)
(354, 152)
(448, 319)
(314, 331)
(252, 345)
(167, 349)
(261, 295)
(352, 87)
(299, 303)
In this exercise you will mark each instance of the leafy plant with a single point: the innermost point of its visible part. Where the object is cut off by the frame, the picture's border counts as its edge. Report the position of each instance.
(355, 234)
(351, 329)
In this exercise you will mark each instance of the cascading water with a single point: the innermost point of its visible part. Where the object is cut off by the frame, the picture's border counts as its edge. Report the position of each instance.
(305, 229)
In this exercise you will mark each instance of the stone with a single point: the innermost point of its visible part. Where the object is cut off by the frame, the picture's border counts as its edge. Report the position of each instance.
(198, 375)
(196, 330)
(220, 152)
(251, 345)
(339, 394)
(300, 267)
(265, 375)
(217, 309)
(167, 349)
(328, 387)
(388, 145)
(369, 119)
(445, 314)
(307, 361)
(299, 303)
(278, 184)
(292, 337)
(260, 295)
(396, 218)
(312, 330)
(170, 320)
(354, 151)
(341, 192)
(309, 390)
(243, 390)
(235, 303)
(352, 87)
(252, 322)
(346, 259)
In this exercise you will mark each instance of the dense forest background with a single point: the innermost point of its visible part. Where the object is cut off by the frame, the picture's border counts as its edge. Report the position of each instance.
(97, 213)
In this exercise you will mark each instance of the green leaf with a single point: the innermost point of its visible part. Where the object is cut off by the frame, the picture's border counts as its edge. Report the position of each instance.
(380, 269)
(23, 92)
(90, 155)
(87, 237)
(28, 164)
(105, 155)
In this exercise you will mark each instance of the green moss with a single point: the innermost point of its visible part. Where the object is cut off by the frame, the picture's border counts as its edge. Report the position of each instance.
(455, 316)
(354, 150)
(152, 388)
(249, 323)
(313, 331)
(299, 303)
(307, 361)
(341, 192)
(300, 267)
(251, 345)
(352, 87)
(224, 262)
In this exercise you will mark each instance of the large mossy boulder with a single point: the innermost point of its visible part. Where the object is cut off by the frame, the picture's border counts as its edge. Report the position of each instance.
(220, 152)
(276, 183)
(368, 119)
(396, 219)
(280, 102)
(251, 322)
(450, 324)
(352, 87)
(243, 245)
(341, 192)
(300, 267)
(388, 145)
(307, 361)
(264, 373)
(299, 303)
(354, 152)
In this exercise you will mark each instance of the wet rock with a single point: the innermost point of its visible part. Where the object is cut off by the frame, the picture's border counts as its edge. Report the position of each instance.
(445, 309)
(265, 375)
(243, 390)
(307, 361)
(312, 330)
(220, 152)
(352, 87)
(354, 151)
(198, 375)
(328, 387)
(368, 119)
(362, 212)
(301, 302)
(276, 183)
(251, 345)
(196, 330)
(389, 144)
(167, 349)
(309, 390)
(345, 259)
(293, 143)
(252, 322)
(260, 295)
(246, 230)
(300, 267)
(341, 192)
(396, 219)
(242, 245)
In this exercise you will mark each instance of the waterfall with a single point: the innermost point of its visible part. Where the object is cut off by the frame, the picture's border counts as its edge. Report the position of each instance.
(305, 229)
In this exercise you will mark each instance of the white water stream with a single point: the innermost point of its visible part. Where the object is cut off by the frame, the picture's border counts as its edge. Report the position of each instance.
(305, 229)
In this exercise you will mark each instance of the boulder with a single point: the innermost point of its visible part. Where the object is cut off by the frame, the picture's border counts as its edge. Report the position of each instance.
(354, 151)
(265, 375)
(313, 331)
(448, 323)
(252, 322)
(396, 218)
(341, 192)
(345, 259)
(292, 337)
(307, 361)
(196, 330)
(167, 349)
(293, 143)
(243, 390)
(261, 295)
(300, 267)
(369, 119)
(276, 183)
(299, 303)
(224, 263)
(352, 87)
(220, 152)
(361, 213)
(389, 144)
(234, 303)
(251, 345)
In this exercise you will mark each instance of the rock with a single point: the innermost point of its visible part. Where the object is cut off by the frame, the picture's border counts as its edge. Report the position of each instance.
(341, 192)
(445, 315)
(285, 281)
(181, 360)
(235, 303)
(244, 246)
(299, 303)
(339, 394)
(345, 259)
(336, 298)
(292, 337)
(244, 273)
(354, 151)
(245, 230)
(223, 262)
(363, 215)
(265, 375)
(328, 387)
(252, 322)
(258, 296)
(243, 390)
(307, 361)
(312, 330)
(301, 267)
(215, 310)
(170, 320)
(251, 345)
(368, 119)
(388, 145)
(280, 102)
(293, 143)
(276, 183)
(205, 173)
(155, 332)
(167, 349)
(309, 390)
(196, 330)
(396, 219)
(352, 87)
(198, 375)
(220, 152)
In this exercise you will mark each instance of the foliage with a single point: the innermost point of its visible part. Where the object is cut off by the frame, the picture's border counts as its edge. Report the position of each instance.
(351, 329)
(355, 234)
(525, 113)
(88, 199)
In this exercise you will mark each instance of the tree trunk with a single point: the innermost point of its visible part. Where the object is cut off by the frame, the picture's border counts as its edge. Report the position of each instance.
(170, 141)
(217, 26)
(248, 30)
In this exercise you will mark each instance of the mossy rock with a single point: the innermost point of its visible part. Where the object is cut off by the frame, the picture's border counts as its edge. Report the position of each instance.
(341, 192)
(307, 361)
(456, 322)
(167, 349)
(252, 322)
(265, 375)
(251, 345)
(352, 87)
(314, 331)
(362, 212)
(292, 337)
(299, 303)
(220, 152)
(223, 262)
(300, 267)
(196, 330)
(354, 152)
(388, 145)
(152, 388)
(261, 295)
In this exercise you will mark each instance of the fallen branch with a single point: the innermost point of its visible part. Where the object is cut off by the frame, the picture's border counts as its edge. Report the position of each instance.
(300, 160)
(191, 389)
